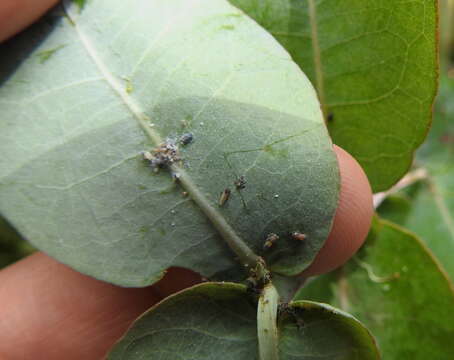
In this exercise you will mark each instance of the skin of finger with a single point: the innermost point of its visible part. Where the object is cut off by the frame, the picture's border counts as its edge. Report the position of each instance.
(352, 220)
(49, 311)
(15, 15)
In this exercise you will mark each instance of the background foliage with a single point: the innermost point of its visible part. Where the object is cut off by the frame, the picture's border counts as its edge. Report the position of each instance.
(372, 64)
(403, 276)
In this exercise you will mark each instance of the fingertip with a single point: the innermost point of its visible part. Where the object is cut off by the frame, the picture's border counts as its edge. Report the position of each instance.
(15, 15)
(352, 219)
(42, 299)
(52, 310)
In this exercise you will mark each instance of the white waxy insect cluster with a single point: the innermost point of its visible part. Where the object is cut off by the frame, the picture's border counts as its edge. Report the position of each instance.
(162, 156)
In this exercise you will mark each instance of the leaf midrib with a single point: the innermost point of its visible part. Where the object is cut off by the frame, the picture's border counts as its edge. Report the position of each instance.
(226, 231)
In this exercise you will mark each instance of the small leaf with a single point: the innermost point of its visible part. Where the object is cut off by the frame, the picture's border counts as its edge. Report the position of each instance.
(207, 321)
(395, 288)
(427, 207)
(73, 179)
(374, 64)
(80, 3)
(319, 331)
(218, 320)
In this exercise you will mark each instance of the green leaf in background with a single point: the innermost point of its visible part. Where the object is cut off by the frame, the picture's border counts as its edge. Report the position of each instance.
(120, 78)
(396, 289)
(374, 66)
(218, 320)
(12, 246)
(427, 207)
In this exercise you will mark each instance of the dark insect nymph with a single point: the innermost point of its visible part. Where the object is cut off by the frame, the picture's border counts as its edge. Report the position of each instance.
(186, 138)
(224, 196)
(240, 183)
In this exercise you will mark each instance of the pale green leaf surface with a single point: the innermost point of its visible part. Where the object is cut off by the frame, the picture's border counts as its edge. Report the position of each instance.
(427, 207)
(374, 66)
(218, 320)
(72, 130)
(397, 290)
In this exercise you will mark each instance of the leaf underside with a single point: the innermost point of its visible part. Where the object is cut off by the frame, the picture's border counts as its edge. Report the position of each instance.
(395, 288)
(219, 319)
(374, 64)
(73, 127)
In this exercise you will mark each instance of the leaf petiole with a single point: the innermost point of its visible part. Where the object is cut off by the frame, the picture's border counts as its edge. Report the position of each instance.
(267, 323)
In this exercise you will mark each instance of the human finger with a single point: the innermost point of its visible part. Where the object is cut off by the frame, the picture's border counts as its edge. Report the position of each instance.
(15, 15)
(49, 311)
(352, 220)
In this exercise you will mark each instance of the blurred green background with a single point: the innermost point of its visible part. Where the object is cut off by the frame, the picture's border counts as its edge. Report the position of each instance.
(423, 201)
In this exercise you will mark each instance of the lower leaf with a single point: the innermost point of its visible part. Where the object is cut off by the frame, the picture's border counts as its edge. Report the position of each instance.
(319, 331)
(219, 321)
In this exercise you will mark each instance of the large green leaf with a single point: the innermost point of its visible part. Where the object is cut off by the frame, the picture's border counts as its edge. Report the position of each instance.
(218, 321)
(84, 94)
(395, 287)
(374, 66)
(427, 207)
